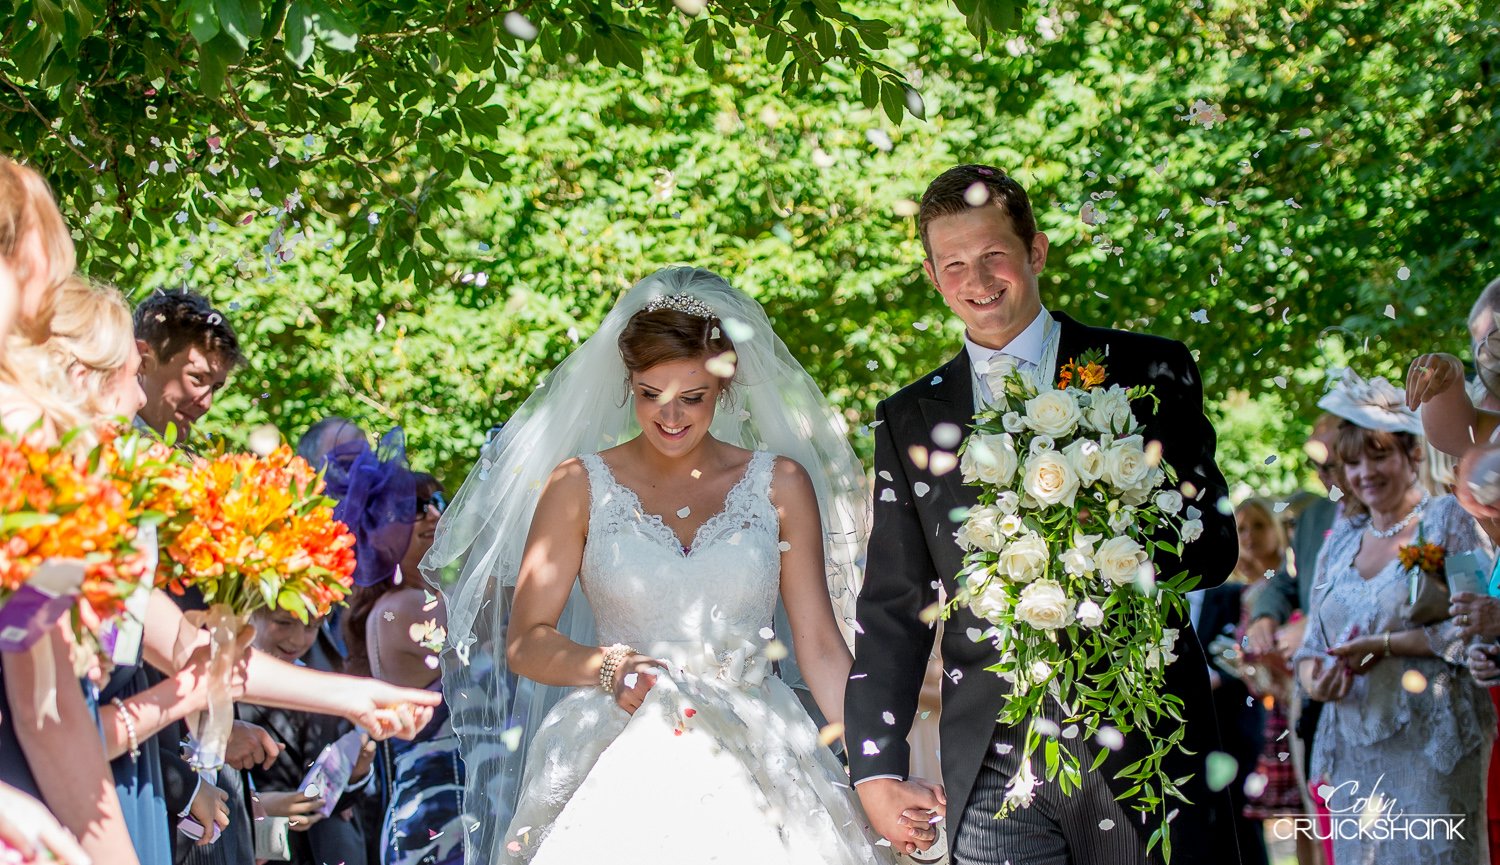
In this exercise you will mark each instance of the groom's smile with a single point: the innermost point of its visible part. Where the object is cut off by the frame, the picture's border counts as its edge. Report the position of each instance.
(985, 273)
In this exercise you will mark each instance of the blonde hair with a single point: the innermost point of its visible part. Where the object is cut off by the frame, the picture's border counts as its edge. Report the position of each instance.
(92, 334)
(1278, 531)
(27, 205)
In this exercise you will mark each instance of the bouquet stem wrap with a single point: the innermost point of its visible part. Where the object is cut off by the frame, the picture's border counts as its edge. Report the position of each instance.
(211, 730)
(44, 686)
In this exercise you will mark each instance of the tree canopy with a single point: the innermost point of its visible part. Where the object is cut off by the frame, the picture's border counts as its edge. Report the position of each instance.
(1282, 186)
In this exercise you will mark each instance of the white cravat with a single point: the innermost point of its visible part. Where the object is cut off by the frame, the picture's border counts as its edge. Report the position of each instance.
(1026, 350)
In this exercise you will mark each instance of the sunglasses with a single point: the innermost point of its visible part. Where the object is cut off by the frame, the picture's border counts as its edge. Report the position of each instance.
(436, 501)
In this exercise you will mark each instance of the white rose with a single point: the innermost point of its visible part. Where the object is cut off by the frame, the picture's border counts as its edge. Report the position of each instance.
(1040, 671)
(1192, 530)
(981, 530)
(1023, 559)
(1121, 519)
(1109, 410)
(1010, 524)
(1169, 501)
(1125, 465)
(1119, 559)
(1090, 614)
(989, 458)
(1043, 443)
(1050, 479)
(990, 603)
(1045, 605)
(1053, 412)
(1087, 459)
(1012, 422)
(1077, 562)
(1007, 502)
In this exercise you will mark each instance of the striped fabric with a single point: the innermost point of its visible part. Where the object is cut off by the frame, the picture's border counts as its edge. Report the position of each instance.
(1087, 828)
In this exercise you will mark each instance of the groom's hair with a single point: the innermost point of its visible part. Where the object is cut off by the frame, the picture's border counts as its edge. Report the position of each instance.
(950, 194)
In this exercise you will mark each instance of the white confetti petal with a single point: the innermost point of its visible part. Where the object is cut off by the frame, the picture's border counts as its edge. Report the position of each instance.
(920, 489)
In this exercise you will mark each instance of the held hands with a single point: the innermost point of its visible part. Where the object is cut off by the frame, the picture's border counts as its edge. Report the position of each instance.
(1260, 637)
(1431, 375)
(905, 813)
(634, 678)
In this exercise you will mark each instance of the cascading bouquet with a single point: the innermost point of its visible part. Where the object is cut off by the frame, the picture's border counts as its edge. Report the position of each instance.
(1072, 507)
(259, 534)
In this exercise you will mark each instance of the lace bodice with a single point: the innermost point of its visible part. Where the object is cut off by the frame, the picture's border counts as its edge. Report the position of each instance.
(646, 589)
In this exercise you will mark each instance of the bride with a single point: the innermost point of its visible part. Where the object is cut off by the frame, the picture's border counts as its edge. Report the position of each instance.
(685, 473)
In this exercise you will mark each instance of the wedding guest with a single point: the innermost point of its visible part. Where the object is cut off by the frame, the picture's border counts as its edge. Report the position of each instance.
(330, 446)
(1392, 675)
(37, 252)
(313, 839)
(188, 350)
(26, 826)
(1428, 378)
(392, 624)
(1274, 790)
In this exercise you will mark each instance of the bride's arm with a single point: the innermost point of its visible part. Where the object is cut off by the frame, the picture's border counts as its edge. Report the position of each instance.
(554, 553)
(821, 652)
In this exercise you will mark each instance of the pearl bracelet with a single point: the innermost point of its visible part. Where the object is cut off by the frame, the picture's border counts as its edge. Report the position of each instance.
(135, 747)
(614, 656)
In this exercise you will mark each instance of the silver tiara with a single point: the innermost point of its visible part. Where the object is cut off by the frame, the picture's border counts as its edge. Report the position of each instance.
(681, 303)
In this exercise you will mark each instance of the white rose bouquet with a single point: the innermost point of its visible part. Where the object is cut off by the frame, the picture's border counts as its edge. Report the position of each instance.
(1073, 503)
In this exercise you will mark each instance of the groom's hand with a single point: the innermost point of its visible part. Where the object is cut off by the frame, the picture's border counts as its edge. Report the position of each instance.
(903, 811)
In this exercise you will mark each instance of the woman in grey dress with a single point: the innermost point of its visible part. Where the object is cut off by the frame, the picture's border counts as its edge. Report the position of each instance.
(1403, 744)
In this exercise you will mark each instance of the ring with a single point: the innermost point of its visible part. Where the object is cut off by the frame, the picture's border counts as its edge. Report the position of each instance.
(1463, 619)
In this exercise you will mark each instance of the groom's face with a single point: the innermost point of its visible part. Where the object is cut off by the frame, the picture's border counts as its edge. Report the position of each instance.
(985, 274)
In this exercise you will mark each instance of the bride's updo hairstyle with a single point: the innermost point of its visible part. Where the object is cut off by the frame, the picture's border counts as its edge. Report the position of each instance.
(673, 327)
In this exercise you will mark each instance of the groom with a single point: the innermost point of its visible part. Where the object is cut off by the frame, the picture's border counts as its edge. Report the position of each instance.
(984, 259)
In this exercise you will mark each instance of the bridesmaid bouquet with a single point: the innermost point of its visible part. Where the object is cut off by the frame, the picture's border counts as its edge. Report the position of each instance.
(259, 534)
(1072, 506)
(93, 512)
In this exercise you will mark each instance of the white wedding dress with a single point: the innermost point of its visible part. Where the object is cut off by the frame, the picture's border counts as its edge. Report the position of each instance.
(721, 763)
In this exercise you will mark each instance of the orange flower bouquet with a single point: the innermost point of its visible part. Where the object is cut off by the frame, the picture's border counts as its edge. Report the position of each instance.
(95, 513)
(259, 534)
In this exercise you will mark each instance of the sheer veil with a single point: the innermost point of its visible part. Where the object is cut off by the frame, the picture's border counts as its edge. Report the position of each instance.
(581, 408)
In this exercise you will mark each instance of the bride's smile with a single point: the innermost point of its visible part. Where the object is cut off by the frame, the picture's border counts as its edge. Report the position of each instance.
(674, 404)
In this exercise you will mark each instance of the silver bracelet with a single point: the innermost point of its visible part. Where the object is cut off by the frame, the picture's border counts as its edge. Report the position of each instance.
(614, 656)
(135, 746)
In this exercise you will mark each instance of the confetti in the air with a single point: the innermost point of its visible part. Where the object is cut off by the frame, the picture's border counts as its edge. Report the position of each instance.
(947, 435)
(1403, 273)
(977, 194)
(1221, 770)
(1201, 316)
(518, 26)
(920, 489)
(684, 512)
(1413, 682)
(1390, 311)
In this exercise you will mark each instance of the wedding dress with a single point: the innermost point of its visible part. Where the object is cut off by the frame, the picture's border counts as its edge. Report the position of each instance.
(721, 763)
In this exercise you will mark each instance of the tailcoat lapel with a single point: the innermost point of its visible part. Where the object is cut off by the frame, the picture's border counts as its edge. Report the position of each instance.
(952, 401)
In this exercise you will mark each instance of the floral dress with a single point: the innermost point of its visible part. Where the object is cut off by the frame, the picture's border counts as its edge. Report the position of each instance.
(1414, 731)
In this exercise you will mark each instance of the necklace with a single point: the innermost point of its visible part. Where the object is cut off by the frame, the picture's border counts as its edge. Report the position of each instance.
(1405, 521)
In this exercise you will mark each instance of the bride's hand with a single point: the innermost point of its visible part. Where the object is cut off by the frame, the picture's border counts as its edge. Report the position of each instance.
(634, 678)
